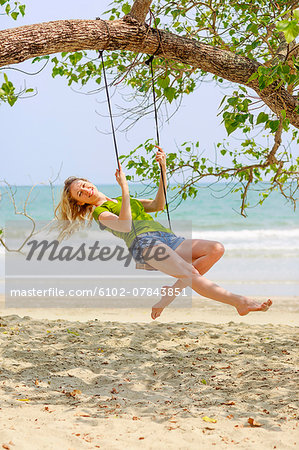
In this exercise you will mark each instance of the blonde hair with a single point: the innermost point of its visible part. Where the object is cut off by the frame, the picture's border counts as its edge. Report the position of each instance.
(70, 214)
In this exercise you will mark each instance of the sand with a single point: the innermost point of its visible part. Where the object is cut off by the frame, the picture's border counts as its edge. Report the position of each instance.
(86, 379)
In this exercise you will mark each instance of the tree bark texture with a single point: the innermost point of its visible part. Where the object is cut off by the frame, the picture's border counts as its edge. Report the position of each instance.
(23, 43)
(140, 9)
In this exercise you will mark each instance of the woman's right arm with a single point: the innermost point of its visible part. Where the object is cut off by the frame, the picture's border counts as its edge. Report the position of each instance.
(123, 222)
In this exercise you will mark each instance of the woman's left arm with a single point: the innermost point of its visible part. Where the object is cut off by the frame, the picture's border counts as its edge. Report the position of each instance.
(159, 201)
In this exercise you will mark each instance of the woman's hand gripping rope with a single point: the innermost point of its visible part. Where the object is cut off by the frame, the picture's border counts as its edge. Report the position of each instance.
(161, 157)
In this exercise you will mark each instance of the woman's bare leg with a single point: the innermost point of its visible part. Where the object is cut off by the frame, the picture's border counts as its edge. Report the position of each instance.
(203, 254)
(177, 267)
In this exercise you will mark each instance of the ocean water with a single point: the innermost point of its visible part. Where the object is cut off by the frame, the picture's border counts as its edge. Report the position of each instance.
(262, 250)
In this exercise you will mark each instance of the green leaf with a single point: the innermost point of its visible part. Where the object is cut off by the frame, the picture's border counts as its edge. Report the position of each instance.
(296, 13)
(72, 332)
(232, 121)
(39, 58)
(253, 28)
(282, 25)
(14, 15)
(273, 125)
(232, 101)
(126, 8)
(222, 101)
(11, 100)
(262, 117)
(289, 28)
(169, 93)
(22, 9)
(253, 77)
(163, 82)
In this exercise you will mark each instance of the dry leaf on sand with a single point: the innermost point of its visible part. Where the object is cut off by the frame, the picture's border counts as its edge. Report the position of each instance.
(73, 393)
(208, 419)
(253, 423)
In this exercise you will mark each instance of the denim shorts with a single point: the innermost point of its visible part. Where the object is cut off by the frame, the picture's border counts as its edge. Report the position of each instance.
(151, 239)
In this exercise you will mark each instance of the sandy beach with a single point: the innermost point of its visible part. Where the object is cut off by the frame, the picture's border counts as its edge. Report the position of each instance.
(197, 378)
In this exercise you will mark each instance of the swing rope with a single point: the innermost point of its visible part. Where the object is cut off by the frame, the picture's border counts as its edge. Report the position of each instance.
(110, 109)
(112, 123)
(138, 265)
(149, 62)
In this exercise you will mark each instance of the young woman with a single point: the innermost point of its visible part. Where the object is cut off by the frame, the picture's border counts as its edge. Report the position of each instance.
(184, 259)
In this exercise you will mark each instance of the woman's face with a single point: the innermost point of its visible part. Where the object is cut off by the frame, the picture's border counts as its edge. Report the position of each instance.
(84, 192)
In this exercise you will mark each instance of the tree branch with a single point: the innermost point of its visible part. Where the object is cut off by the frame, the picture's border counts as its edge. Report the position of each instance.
(22, 213)
(245, 193)
(140, 10)
(271, 159)
(20, 44)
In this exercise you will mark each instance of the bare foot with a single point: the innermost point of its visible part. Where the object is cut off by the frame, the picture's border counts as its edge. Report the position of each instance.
(156, 311)
(165, 301)
(247, 305)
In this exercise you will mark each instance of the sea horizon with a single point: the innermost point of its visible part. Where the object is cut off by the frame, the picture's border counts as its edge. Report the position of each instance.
(262, 250)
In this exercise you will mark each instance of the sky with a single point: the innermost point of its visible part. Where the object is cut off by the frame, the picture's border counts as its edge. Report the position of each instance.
(60, 127)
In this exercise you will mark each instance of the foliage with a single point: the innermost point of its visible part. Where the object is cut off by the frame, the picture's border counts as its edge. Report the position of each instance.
(8, 92)
(290, 27)
(12, 8)
(263, 31)
(195, 166)
(250, 29)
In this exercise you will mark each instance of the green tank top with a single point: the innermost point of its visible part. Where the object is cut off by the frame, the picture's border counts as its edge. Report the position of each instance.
(143, 222)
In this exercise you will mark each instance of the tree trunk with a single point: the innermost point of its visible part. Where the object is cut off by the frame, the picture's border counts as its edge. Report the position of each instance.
(140, 9)
(20, 44)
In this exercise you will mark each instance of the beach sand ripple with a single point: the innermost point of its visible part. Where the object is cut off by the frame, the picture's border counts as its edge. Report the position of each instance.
(109, 384)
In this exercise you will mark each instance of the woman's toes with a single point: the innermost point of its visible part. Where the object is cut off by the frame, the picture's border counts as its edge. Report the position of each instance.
(266, 305)
(156, 312)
